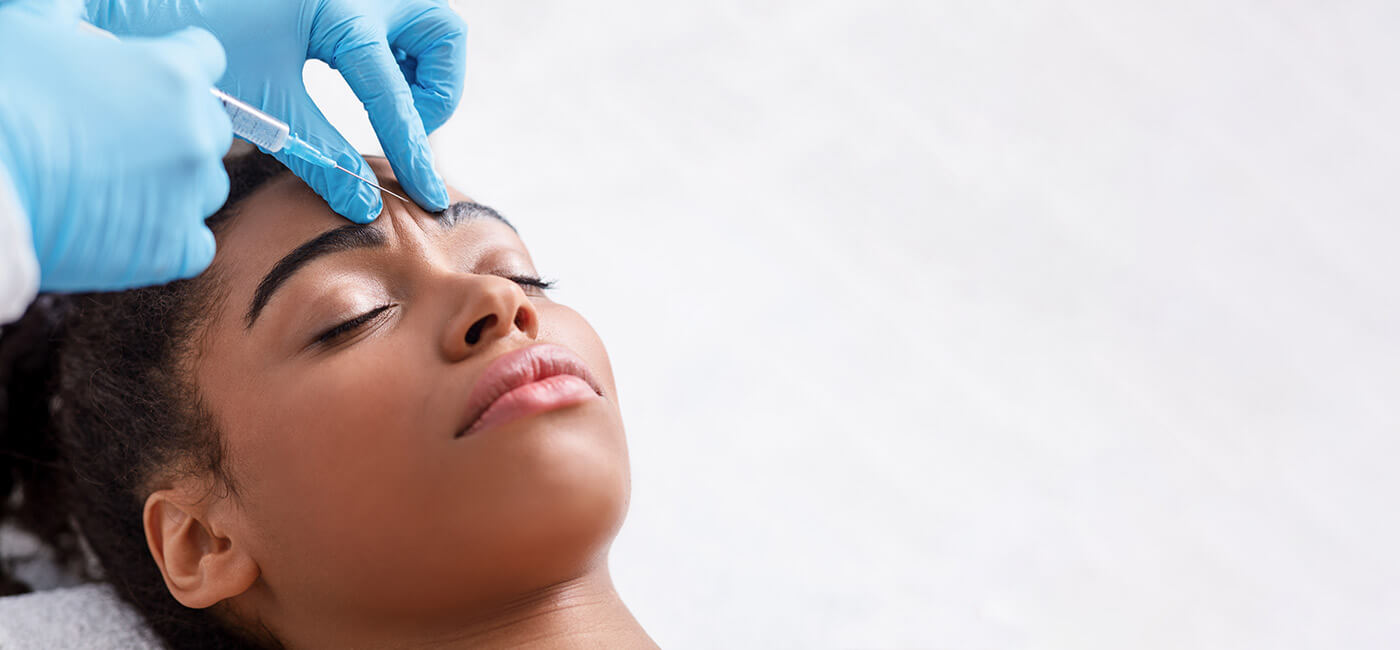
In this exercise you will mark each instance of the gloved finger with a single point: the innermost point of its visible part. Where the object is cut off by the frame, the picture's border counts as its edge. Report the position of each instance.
(372, 73)
(198, 251)
(350, 198)
(197, 61)
(192, 49)
(183, 246)
(70, 9)
(211, 188)
(219, 127)
(434, 39)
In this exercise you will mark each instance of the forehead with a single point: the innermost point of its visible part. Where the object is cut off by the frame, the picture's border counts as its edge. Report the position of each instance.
(286, 212)
(282, 215)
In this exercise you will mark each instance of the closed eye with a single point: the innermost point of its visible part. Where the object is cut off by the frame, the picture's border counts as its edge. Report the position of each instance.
(353, 324)
(330, 335)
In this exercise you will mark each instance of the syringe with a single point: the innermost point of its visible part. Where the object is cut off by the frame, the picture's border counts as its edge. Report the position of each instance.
(274, 135)
(264, 130)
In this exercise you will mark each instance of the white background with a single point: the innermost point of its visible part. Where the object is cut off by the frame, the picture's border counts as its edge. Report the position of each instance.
(972, 324)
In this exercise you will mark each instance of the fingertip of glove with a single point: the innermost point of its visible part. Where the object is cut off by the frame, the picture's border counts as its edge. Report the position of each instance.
(358, 201)
(204, 48)
(432, 190)
(441, 202)
(436, 200)
(366, 211)
(362, 205)
(198, 37)
(199, 252)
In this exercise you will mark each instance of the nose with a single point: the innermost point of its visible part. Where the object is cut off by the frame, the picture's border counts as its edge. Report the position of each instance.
(492, 308)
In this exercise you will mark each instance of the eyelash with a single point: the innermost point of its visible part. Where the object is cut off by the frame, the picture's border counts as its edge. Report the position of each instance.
(358, 321)
(352, 324)
(531, 281)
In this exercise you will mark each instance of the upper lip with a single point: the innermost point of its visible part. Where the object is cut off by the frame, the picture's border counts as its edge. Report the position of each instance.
(518, 368)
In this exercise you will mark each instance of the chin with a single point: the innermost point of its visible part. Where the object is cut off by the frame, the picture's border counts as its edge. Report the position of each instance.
(578, 482)
(562, 492)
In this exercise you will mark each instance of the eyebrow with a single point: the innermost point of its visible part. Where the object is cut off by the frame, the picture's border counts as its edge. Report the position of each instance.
(349, 237)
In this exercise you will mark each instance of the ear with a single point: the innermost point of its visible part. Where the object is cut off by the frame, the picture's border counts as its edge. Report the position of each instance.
(202, 565)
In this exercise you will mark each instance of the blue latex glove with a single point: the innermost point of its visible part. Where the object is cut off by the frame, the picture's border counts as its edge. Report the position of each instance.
(403, 58)
(114, 148)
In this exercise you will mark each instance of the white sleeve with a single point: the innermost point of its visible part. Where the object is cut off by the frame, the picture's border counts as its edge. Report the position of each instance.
(19, 269)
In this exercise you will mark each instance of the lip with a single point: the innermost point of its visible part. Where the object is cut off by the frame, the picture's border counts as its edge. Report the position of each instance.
(527, 381)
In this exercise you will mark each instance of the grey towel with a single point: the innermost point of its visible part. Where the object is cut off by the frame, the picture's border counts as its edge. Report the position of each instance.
(87, 617)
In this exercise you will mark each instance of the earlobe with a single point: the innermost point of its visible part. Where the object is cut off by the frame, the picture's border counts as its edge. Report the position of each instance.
(201, 566)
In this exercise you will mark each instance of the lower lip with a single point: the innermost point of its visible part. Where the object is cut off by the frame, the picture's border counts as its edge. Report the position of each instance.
(535, 397)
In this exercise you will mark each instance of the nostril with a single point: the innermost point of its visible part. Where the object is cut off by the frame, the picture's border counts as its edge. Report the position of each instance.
(474, 332)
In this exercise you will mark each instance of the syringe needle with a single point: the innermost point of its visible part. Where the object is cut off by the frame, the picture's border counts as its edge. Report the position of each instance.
(381, 189)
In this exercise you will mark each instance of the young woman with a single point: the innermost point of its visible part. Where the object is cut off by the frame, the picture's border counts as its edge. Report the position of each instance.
(339, 436)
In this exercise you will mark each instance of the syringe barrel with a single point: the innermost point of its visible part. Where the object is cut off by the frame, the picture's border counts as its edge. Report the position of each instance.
(249, 123)
(252, 124)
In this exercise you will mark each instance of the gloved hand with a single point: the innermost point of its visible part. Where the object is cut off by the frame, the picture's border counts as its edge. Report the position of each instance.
(403, 58)
(114, 148)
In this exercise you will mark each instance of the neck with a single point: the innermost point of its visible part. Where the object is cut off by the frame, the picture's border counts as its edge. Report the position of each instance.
(581, 612)
(584, 612)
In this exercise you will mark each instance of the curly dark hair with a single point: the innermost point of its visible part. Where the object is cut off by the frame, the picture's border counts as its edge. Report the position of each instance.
(96, 404)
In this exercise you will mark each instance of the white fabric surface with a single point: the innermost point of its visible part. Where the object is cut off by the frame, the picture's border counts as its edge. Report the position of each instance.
(19, 270)
(89, 617)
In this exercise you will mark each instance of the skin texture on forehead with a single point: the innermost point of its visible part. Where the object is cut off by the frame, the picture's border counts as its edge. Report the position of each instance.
(359, 514)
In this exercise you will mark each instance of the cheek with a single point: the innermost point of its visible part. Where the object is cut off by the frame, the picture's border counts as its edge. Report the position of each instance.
(561, 324)
(316, 448)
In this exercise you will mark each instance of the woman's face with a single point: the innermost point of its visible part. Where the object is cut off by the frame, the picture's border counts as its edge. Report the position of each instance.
(356, 495)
